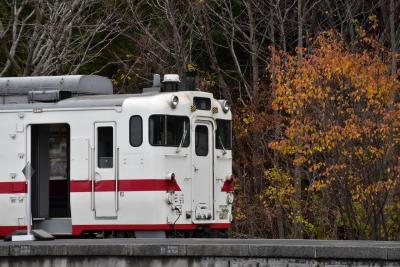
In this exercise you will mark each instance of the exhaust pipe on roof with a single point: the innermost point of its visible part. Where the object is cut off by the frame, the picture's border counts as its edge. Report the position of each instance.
(171, 83)
(156, 80)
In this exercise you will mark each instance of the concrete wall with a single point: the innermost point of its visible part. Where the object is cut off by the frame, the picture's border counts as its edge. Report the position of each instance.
(199, 252)
(78, 261)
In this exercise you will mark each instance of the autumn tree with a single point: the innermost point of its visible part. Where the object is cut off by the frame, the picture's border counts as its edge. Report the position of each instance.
(342, 130)
(226, 42)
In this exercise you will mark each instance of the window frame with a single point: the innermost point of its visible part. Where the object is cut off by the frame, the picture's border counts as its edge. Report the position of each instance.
(217, 142)
(198, 139)
(98, 147)
(188, 135)
(130, 130)
(199, 99)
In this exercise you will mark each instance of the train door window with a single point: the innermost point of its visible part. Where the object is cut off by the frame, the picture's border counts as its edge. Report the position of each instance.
(105, 144)
(136, 131)
(224, 135)
(165, 130)
(201, 140)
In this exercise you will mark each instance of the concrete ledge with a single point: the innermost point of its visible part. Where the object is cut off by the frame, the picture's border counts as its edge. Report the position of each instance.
(282, 251)
(376, 253)
(4, 250)
(296, 249)
(393, 254)
(220, 250)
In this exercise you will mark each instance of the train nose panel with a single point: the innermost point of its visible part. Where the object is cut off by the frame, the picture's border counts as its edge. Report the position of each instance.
(203, 212)
(203, 181)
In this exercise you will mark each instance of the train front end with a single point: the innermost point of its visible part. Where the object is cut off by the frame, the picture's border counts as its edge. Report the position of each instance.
(186, 140)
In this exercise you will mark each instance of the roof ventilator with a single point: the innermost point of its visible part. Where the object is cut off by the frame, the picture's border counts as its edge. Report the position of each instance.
(20, 90)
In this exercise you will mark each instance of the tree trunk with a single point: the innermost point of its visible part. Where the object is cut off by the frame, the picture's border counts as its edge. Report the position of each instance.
(297, 173)
(393, 48)
(253, 49)
(299, 30)
(213, 57)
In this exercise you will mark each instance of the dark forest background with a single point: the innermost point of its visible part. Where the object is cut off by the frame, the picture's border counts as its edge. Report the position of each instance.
(249, 52)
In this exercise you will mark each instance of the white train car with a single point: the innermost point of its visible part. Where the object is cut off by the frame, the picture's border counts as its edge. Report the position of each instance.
(150, 164)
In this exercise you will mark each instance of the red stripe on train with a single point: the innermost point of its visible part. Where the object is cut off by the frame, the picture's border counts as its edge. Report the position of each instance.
(109, 186)
(12, 187)
(126, 185)
(78, 229)
(8, 230)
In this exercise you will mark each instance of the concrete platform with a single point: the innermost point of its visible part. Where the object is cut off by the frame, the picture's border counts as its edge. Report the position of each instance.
(200, 252)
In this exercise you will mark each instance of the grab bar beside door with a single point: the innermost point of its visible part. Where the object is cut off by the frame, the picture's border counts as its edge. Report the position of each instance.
(92, 176)
(116, 179)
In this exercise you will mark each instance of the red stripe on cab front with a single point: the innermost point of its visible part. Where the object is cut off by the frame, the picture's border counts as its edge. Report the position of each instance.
(228, 186)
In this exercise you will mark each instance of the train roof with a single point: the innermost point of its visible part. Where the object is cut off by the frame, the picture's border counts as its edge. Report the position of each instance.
(76, 92)
(92, 101)
(76, 84)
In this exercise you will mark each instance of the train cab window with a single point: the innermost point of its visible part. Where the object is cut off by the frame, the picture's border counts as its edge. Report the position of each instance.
(224, 135)
(135, 131)
(202, 103)
(166, 130)
(201, 140)
(105, 144)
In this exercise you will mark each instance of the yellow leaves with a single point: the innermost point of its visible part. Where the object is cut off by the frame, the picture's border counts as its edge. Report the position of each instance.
(373, 21)
(299, 161)
(316, 166)
(281, 186)
(341, 131)
(191, 67)
(307, 226)
(317, 186)
(240, 215)
(249, 118)
(377, 152)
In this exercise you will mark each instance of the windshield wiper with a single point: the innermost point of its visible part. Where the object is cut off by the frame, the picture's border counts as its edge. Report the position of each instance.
(223, 148)
(183, 138)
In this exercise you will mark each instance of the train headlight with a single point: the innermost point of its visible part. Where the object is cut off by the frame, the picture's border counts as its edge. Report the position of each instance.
(174, 101)
(229, 198)
(226, 106)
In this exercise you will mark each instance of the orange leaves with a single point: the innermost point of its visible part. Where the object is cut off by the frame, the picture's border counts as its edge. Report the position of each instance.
(372, 192)
(342, 128)
(329, 73)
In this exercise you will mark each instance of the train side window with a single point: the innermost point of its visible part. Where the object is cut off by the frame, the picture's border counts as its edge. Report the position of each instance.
(223, 135)
(136, 131)
(105, 144)
(201, 140)
(166, 130)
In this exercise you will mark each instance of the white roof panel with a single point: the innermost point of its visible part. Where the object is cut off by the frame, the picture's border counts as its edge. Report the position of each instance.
(77, 84)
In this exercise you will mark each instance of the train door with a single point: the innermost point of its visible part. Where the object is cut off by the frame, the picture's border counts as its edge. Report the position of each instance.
(49, 153)
(203, 172)
(105, 171)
